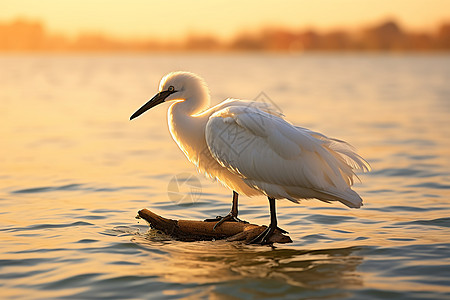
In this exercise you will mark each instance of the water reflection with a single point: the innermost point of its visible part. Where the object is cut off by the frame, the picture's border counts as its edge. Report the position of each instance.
(220, 261)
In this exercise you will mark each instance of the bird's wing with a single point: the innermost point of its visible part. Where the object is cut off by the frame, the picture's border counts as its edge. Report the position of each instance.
(263, 148)
(263, 106)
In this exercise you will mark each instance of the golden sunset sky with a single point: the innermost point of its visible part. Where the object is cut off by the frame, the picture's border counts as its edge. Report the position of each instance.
(223, 18)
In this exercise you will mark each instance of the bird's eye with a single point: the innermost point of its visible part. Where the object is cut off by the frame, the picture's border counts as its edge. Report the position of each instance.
(171, 88)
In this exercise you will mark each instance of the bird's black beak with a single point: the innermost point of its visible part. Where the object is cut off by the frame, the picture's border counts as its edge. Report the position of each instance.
(157, 99)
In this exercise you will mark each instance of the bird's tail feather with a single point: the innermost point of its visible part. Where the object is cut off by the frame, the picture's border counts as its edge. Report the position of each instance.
(348, 197)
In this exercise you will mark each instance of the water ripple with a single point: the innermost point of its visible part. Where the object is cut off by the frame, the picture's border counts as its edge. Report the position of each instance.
(47, 226)
(442, 222)
(431, 185)
(74, 187)
(71, 282)
(23, 262)
(67, 187)
(397, 208)
(404, 172)
(327, 219)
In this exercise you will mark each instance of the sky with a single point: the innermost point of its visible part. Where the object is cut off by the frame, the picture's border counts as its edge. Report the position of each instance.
(169, 19)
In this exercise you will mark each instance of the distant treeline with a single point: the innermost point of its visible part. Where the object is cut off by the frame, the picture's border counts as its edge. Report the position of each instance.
(25, 35)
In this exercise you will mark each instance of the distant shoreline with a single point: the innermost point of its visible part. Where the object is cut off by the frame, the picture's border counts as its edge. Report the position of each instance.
(24, 36)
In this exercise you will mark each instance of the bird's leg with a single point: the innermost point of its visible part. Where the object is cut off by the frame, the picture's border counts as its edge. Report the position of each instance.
(232, 215)
(264, 236)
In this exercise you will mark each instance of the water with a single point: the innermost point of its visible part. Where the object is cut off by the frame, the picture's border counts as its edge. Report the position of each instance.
(74, 172)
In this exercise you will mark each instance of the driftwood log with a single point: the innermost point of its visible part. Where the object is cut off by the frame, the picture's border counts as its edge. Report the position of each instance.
(190, 230)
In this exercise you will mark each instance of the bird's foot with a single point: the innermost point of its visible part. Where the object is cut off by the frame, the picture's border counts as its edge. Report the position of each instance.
(230, 218)
(263, 237)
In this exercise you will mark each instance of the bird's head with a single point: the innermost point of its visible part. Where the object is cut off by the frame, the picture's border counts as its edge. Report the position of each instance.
(175, 86)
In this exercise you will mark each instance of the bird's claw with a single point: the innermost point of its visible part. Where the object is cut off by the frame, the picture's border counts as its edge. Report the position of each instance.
(263, 237)
(282, 230)
(230, 218)
(213, 220)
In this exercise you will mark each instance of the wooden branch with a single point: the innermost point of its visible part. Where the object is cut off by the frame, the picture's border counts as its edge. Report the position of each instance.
(189, 230)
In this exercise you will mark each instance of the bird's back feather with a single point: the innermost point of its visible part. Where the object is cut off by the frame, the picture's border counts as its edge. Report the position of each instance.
(279, 159)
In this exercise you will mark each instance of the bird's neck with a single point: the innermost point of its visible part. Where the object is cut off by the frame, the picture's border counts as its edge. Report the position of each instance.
(195, 101)
(187, 127)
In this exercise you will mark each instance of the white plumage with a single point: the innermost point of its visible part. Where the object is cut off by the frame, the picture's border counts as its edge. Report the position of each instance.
(252, 150)
(279, 159)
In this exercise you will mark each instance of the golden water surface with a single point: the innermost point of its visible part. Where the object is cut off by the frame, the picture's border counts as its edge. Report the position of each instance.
(74, 172)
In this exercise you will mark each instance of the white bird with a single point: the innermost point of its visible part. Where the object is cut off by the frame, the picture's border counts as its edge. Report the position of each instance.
(252, 150)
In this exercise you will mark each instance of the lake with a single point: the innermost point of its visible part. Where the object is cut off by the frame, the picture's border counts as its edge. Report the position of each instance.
(75, 171)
